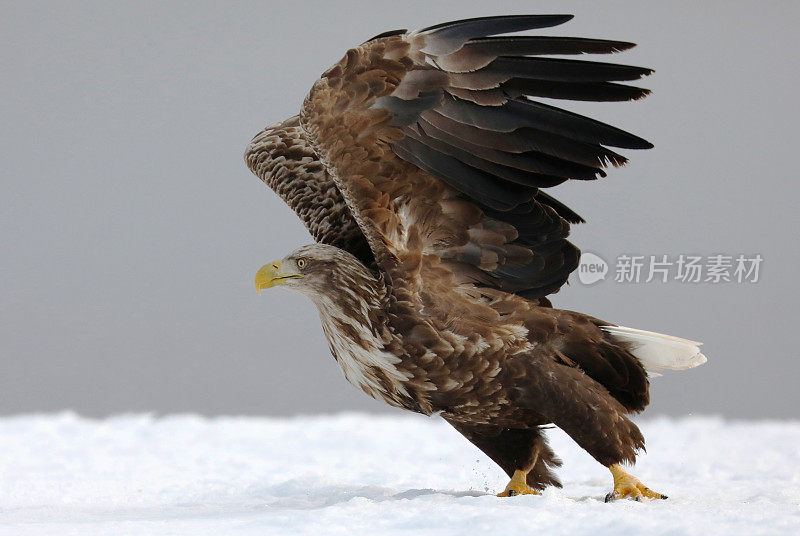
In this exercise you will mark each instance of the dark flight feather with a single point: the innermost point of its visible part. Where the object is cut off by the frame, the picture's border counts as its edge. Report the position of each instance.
(577, 91)
(563, 70)
(530, 161)
(534, 45)
(499, 24)
(527, 139)
(516, 114)
(473, 182)
(561, 209)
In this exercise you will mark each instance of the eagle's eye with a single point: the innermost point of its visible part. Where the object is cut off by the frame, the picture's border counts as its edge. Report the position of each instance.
(301, 263)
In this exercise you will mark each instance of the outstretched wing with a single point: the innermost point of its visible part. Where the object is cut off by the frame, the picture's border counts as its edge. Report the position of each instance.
(439, 151)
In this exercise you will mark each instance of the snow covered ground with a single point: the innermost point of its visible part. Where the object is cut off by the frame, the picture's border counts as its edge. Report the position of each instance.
(355, 474)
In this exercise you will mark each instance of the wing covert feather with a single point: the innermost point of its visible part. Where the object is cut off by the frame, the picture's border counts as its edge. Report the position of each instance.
(282, 158)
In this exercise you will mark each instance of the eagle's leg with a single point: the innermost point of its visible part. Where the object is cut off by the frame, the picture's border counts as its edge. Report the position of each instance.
(523, 453)
(627, 486)
(518, 485)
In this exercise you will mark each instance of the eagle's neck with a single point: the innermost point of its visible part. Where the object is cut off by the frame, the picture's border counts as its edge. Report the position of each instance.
(354, 318)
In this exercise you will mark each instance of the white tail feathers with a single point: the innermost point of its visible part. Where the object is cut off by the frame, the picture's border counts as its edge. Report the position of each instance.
(657, 351)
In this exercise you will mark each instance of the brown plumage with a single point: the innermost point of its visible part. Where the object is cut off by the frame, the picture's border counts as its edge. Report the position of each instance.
(416, 162)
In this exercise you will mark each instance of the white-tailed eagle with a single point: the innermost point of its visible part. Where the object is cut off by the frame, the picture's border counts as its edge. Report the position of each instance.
(418, 164)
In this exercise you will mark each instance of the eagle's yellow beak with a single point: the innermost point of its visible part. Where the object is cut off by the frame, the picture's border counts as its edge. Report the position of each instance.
(272, 275)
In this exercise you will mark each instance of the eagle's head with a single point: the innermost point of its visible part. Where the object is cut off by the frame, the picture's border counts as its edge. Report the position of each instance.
(319, 271)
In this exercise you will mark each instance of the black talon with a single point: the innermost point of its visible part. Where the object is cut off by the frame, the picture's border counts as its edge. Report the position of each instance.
(664, 496)
(609, 496)
(511, 493)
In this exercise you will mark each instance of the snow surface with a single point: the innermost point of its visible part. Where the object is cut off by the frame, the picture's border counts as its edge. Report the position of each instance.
(356, 474)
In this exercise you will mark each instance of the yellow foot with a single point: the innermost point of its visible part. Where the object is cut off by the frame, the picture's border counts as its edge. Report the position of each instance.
(627, 486)
(518, 486)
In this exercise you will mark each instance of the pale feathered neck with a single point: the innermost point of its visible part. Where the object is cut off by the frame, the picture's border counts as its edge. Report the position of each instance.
(353, 309)
(355, 297)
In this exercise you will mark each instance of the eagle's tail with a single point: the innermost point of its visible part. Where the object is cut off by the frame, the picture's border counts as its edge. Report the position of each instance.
(657, 351)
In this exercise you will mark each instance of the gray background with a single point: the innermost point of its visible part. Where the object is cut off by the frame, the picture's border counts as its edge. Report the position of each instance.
(131, 229)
